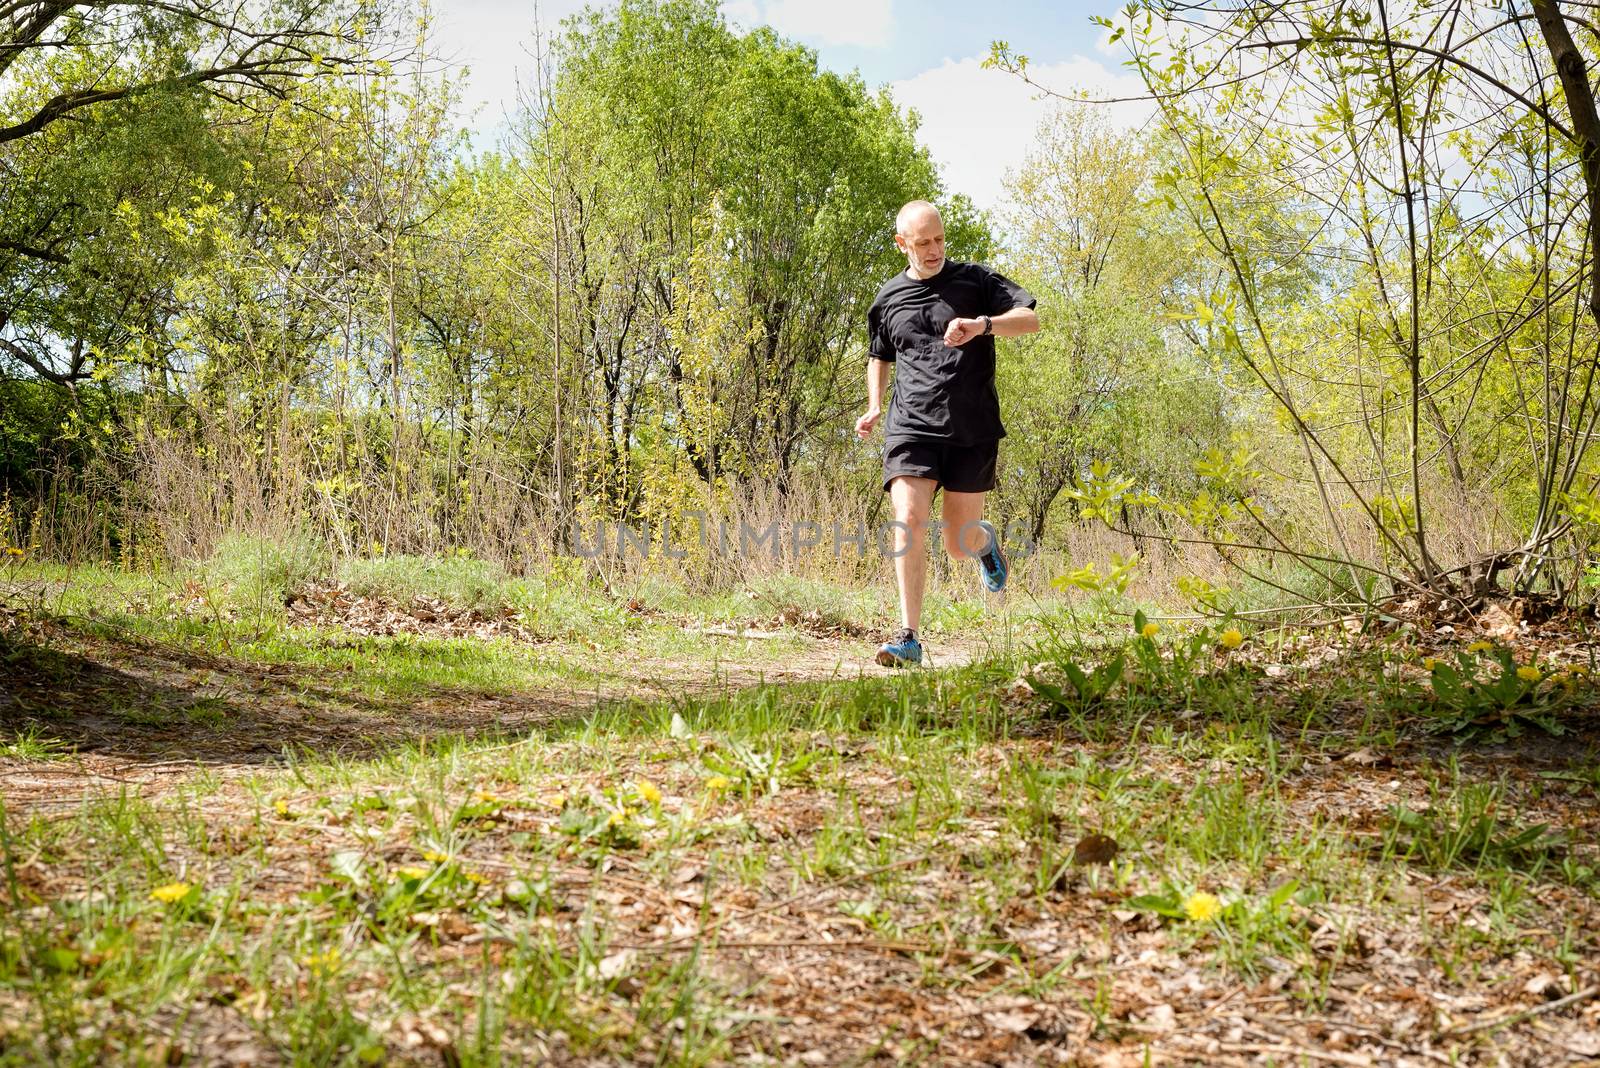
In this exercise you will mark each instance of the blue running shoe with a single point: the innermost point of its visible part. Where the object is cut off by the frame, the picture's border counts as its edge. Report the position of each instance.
(992, 561)
(903, 650)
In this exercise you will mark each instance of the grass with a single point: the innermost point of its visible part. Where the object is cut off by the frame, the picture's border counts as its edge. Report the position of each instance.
(32, 744)
(831, 870)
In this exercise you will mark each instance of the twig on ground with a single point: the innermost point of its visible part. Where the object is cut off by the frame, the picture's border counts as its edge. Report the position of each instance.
(729, 632)
(1372, 1033)
(787, 943)
(1518, 1017)
(1297, 1052)
(190, 762)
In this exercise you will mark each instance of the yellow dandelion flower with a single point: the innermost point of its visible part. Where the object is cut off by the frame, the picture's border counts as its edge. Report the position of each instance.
(1202, 907)
(433, 856)
(616, 818)
(1480, 647)
(281, 807)
(1230, 638)
(475, 877)
(412, 871)
(485, 797)
(15, 552)
(1577, 670)
(322, 963)
(171, 893)
(1429, 663)
(1529, 673)
(648, 792)
(1150, 630)
(718, 783)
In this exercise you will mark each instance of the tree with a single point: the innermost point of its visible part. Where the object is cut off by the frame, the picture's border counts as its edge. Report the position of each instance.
(1110, 380)
(1443, 203)
(112, 108)
(702, 177)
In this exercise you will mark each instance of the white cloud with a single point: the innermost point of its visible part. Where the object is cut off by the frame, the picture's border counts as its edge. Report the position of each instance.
(864, 23)
(494, 40)
(494, 37)
(745, 13)
(981, 123)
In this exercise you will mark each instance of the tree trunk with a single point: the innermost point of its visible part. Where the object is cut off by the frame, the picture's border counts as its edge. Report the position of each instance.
(1573, 71)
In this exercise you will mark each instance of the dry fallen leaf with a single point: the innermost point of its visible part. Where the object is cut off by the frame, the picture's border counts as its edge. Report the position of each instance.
(1544, 985)
(1584, 1043)
(1120, 1058)
(1161, 1018)
(1013, 1022)
(1095, 849)
(615, 964)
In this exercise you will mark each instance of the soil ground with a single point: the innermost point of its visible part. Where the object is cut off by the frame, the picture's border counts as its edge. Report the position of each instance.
(920, 942)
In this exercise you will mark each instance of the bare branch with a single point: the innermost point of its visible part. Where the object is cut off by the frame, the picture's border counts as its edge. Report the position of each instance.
(258, 73)
(1445, 57)
(33, 253)
(38, 367)
(27, 27)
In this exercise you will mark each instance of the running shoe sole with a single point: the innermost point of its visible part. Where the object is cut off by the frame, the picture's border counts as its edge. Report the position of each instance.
(886, 658)
(994, 547)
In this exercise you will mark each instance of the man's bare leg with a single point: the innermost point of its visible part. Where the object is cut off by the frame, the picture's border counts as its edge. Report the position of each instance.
(912, 500)
(963, 539)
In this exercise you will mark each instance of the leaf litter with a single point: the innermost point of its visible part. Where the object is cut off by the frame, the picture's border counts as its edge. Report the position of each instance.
(922, 940)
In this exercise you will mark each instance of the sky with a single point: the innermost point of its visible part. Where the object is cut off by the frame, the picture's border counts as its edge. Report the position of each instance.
(977, 123)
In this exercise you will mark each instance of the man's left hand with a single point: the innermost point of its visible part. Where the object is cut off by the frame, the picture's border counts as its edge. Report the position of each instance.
(961, 331)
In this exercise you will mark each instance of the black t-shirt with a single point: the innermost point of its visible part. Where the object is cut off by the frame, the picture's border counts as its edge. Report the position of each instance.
(941, 393)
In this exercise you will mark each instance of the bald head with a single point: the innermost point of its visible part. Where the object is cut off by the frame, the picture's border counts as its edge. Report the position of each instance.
(919, 233)
(915, 213)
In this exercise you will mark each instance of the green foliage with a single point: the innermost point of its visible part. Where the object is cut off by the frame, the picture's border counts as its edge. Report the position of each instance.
(1108, 590)
(31, 416)
(753, 237)
(463, 581)
(1107, 385)
(1089, 688)
(1247, 929)
(1487, 692)
(32, 743)
(1354, 297)
(118, 143)
(260, 568)
(755, 772)
(1466, 830)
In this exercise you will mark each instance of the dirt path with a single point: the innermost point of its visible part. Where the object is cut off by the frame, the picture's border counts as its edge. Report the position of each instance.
(133, 714)
(1059, 972)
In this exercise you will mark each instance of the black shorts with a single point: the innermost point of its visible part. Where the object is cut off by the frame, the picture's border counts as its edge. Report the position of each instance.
(958, 468)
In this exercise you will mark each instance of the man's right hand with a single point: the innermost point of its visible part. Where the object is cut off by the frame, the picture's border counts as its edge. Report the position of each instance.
(865, 424)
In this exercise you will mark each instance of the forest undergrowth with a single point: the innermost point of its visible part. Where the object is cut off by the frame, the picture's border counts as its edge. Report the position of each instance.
(417, 813)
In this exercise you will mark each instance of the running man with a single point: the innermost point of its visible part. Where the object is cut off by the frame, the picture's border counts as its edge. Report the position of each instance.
(936, 322)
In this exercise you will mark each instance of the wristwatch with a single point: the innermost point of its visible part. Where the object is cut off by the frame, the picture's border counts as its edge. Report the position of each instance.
(988, 324)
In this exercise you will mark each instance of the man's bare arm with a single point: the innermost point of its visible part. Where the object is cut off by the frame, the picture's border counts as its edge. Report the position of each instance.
(1014, 323)
(877, 386)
